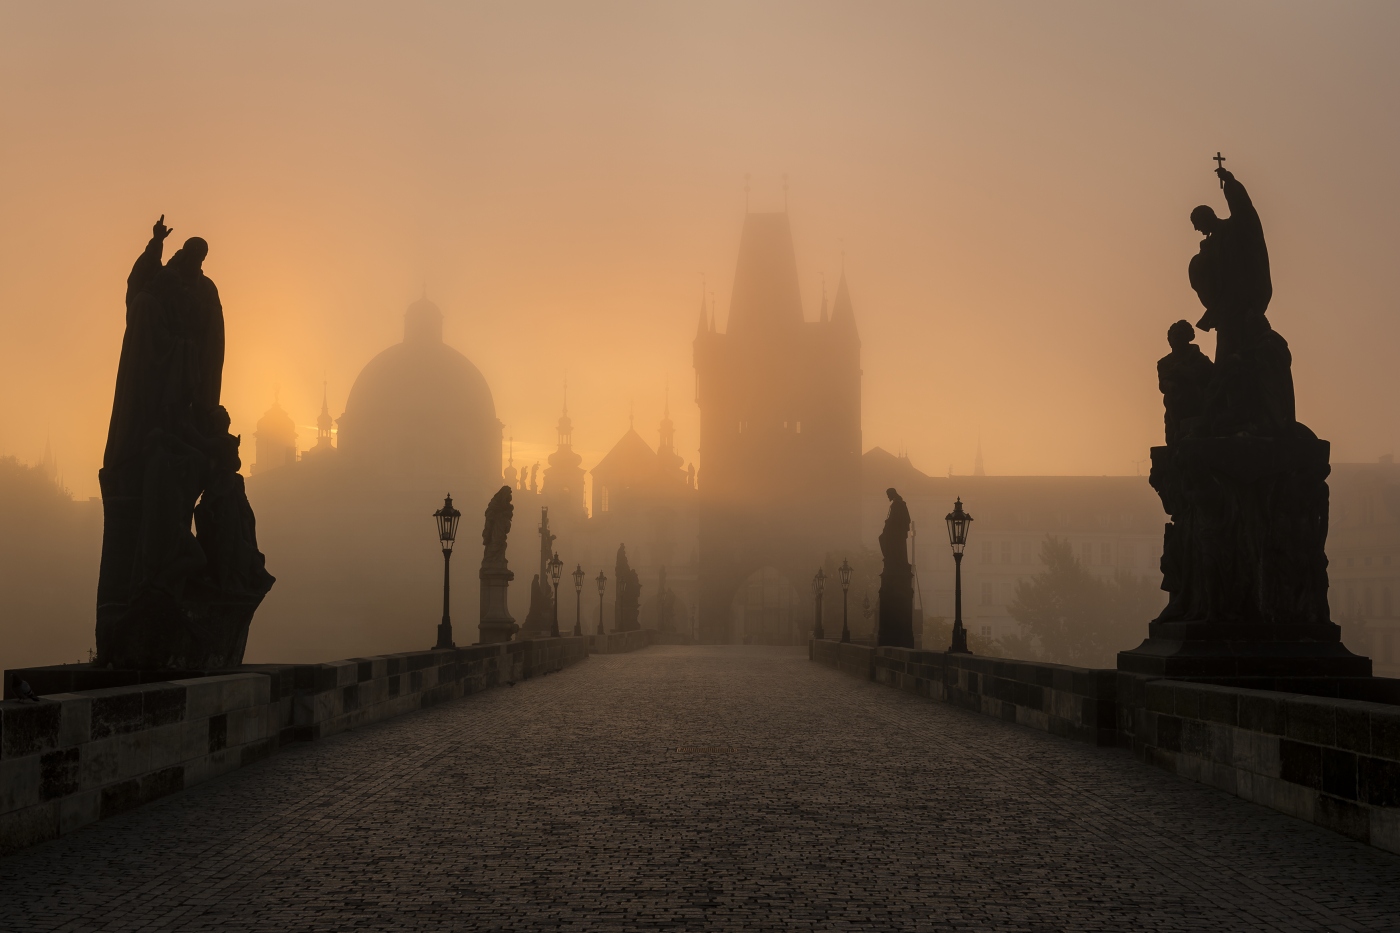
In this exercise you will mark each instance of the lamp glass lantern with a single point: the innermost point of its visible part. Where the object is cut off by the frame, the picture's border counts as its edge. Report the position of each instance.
(845, 570)
(447, 519)
(958, 522)
(578, 576)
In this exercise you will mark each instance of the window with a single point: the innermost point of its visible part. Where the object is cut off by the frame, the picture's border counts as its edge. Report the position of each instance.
(603, 499)
(986, 631)
(986, 594)
(1006, 552)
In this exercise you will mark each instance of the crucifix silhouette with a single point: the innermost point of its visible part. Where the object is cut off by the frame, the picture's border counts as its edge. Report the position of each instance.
(1219, 164)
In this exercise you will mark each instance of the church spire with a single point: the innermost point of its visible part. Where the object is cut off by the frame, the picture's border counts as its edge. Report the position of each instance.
(843, 316)
(510, 475)
(704, 327)
(978, 469)
(324, 421)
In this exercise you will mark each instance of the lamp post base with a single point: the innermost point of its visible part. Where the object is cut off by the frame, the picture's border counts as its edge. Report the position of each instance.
(959, 645)
(444, 640)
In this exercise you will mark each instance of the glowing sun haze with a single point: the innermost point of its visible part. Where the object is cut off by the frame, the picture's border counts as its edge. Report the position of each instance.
(1009, 184)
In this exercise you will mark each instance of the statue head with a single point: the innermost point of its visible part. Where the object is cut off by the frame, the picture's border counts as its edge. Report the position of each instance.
(191, 256)
(1180, 335)
(891, 494)
(1203, 219)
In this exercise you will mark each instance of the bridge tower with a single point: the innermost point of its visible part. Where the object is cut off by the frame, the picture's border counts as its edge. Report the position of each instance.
(780, 433)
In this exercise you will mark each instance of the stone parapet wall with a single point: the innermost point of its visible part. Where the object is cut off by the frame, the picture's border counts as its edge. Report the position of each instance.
(622, 642)
(74, 758)
(1068, 701)
(1331, 761)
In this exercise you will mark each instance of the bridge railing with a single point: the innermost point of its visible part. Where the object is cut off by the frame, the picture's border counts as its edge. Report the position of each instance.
(1331, 760)
(76, 757)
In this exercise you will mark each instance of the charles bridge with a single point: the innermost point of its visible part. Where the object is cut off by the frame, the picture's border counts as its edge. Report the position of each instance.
(648, 786)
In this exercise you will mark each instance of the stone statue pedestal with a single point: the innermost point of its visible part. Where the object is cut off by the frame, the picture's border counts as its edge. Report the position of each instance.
(496, 623)
(1244, 563)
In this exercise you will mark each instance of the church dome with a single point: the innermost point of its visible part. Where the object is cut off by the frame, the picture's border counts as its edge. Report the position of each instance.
(421, 411)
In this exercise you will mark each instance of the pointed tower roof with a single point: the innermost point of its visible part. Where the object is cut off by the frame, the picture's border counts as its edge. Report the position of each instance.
(843, 316)
(766, 296)
(978, 469)
(631, 459)
(704, 327)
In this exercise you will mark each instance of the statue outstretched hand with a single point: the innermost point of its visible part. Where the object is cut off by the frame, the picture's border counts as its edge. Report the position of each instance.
(160, 231)
(1223, 174)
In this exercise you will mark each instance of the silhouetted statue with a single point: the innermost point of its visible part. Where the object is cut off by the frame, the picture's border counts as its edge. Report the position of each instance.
(495, 623)
(1252, 391)
(167, 598)
(896, 627)
(1245, 485)
(629, 594)
(539, 621)
(1184, 377)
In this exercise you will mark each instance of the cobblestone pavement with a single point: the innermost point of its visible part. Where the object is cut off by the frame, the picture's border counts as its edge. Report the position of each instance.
(699, 788)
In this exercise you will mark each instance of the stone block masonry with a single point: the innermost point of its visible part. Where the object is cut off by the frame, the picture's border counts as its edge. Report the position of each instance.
(78, 757)
(1332, 761)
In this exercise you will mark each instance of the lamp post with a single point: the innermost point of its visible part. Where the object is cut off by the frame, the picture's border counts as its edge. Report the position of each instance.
(447, 518)
(578, 600)
(555, 567)
(958, 522)
(602, 585)
(818, 587)
(845, 571)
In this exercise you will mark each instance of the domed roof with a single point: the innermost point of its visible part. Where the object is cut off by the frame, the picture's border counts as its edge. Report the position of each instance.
(421, 408)
(275, 422)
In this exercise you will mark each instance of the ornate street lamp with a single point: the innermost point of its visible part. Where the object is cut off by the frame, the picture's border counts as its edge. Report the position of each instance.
(958, 522)
(447, 519)
(845, 571)
(818, 587)
(556, 566)
(602, 585)
(578, 600)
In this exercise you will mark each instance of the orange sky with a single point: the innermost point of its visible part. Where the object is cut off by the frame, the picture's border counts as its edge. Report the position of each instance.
(1011, 184)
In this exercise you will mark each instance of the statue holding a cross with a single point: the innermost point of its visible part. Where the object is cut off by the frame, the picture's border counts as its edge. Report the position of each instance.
(1253, 388)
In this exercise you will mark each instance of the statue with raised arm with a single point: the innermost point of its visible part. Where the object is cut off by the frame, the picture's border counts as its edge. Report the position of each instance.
(169, 597)
(896, 627)
(1243, 558)
(1252, 392)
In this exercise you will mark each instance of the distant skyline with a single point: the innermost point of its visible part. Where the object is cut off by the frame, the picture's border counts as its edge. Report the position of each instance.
(1007, 185)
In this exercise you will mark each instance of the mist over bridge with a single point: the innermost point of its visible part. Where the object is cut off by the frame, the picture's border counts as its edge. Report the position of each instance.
(692, 787)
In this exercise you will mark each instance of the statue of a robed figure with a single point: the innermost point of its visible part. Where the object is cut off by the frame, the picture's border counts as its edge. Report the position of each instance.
(181, 574)
(896, 623)
(1244, 483)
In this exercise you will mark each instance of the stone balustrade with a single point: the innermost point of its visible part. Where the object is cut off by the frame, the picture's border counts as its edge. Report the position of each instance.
(76, 757)
(1331, 760)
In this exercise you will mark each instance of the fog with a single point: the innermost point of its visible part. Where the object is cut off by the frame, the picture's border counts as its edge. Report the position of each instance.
(1005, 186)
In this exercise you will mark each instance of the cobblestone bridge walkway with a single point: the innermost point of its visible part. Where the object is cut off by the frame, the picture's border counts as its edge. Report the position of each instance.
(699, 788)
